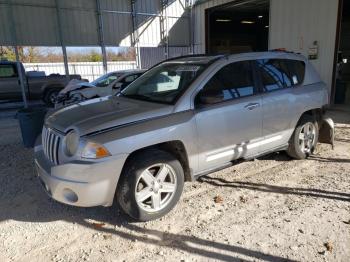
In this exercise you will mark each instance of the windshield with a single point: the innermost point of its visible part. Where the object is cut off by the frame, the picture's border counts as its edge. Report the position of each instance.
(163, 83)
(105, 80)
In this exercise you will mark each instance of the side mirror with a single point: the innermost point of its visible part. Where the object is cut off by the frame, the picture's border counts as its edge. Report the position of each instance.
(117, 85)
(206, 98)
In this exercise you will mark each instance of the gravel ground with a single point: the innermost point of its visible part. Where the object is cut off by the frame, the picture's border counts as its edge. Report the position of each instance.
(269, 209)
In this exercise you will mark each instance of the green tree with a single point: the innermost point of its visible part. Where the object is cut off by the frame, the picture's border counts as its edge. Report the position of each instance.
(7, 52)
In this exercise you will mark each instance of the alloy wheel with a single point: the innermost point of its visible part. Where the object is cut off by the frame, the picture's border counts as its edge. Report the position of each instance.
(155, 187)
(307, 137)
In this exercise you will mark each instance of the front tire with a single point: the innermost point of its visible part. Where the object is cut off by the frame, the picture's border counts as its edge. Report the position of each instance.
(151, 184)
(304, 139)
(50, 97)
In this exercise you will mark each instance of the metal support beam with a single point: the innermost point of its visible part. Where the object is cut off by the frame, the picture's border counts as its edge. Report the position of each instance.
(135, 35)
(18, 62)
(21, 78)
(192, 26)
(60, 36)
(101, 35)
(164, 32)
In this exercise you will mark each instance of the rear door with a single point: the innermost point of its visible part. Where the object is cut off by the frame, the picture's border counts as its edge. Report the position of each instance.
(228, 116)
(278, 78)
(9, 84)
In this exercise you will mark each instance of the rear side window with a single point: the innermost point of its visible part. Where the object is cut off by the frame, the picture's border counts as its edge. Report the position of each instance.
(8, 71)
(278, 74)
(232, 81)
(297, 71)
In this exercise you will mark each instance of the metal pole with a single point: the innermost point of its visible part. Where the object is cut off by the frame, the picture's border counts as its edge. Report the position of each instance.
(101, 35)
(21, 78)
(166, 28)
(65, 60)
(18, 62)
(135, 35)
(192, 26)
(60, 34)
(164, 33)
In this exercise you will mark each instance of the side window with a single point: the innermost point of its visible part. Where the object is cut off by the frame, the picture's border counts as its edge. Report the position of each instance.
(106, 80)
(230, 82)
(286, 73)
(281, 73)
(271, 74)
(297, 71)
(130, 78)
(8, 71)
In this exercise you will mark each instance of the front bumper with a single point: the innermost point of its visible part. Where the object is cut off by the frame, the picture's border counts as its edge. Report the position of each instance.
(83, 184)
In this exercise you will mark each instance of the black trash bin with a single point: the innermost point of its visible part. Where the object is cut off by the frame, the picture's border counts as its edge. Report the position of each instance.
(31, 121)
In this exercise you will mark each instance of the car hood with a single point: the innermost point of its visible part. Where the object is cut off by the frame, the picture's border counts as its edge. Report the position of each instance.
(75, 84)
(102, 113)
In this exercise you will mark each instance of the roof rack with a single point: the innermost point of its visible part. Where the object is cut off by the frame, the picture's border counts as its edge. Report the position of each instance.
(281, 50)
(185, 56)
(193, 55)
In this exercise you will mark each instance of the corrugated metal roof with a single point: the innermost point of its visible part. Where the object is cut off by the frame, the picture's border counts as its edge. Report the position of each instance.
(36, 22)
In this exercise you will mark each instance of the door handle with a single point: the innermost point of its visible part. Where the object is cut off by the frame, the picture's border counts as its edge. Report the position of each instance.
(252, 106)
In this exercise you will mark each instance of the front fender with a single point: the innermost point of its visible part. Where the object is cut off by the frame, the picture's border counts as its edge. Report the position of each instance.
(326, 133)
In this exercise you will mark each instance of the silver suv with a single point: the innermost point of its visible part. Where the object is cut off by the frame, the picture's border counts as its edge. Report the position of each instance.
(183, 118)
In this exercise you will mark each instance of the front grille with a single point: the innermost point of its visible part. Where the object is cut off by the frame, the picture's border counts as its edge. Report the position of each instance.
(50, 141)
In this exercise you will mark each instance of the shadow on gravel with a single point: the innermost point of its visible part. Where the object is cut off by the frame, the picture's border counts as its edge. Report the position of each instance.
(215, 181)
(191, 244)
(324, 159)
(342, 140)
(23, 199)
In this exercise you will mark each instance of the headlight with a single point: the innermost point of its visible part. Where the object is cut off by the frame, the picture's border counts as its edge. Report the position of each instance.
(94, 150)
(71, 143)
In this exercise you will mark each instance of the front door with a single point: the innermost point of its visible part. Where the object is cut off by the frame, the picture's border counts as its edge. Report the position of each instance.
(228, 116)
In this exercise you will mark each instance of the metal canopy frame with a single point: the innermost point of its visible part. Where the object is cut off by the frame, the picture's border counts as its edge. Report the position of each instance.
(61, 10)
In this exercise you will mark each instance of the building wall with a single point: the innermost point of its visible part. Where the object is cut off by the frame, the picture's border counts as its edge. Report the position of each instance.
(294, 25)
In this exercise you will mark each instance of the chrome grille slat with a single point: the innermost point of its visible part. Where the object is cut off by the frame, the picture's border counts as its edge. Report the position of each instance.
(51, 141)
(49, 147)
(55, 149)
(46, 142)
(46, 134)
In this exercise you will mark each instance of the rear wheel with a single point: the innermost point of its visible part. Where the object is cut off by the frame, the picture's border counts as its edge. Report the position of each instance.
(151, 185)
(304, 139)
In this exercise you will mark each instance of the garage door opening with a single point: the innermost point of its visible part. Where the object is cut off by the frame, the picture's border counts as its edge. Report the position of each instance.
(342, 84)
(237, 27)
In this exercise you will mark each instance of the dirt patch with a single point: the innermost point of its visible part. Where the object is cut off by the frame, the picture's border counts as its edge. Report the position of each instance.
(269, 209)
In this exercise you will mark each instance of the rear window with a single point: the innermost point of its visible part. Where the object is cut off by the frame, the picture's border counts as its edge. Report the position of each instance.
(278, 74)
(7, 71)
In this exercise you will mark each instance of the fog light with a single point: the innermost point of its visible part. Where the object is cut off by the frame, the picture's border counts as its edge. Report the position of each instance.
(70, 196)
